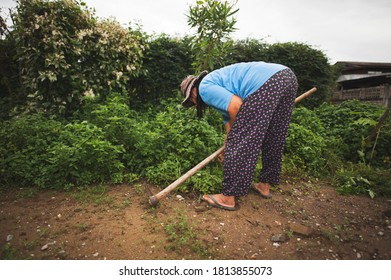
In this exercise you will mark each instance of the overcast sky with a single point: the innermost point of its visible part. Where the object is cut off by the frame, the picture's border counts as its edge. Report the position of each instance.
(345, 30)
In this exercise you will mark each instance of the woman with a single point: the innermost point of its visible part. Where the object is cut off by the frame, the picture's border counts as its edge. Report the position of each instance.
(256, 101)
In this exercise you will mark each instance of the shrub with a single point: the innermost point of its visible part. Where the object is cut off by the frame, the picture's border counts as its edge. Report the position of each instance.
(304, 149)
(43, 152)
(360, 179)
(82, 156)
(352, 121)
(162, 144)
(24, 145)
(64, 54)
(175, 142)
(166, 62)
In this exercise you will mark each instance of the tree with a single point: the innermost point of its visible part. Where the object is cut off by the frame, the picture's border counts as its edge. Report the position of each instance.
(214, 22)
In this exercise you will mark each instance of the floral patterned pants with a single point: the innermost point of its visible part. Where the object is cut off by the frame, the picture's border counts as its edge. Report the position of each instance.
(261, 125)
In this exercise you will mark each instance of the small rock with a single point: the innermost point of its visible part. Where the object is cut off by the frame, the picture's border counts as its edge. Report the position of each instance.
(96, 254)
(44, 247)
(381, 233)
(200, 209)
(222, 224)
(59, 216)
(276, 245)
(179, 197)
(9, 237)
(279, 238)
(216, 238)
(358, 256)
(278, 223)
(387, 213)
(254, 256)
(300, 229)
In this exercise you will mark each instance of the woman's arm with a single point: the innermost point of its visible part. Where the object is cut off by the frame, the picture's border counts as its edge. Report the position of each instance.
(233, 109)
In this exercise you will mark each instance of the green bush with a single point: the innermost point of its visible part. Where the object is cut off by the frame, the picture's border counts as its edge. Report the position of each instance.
(24, 145)
(352, 121)
(361, 179)
(175, 142)
(304, 149)
(64, 54)
(43, 152)
(82, 156)
(160, 145)
(166, 62)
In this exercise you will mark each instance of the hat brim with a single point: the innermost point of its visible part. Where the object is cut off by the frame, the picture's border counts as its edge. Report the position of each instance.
(187, 103)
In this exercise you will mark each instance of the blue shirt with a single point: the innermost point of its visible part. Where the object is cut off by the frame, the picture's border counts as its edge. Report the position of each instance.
(242, 79)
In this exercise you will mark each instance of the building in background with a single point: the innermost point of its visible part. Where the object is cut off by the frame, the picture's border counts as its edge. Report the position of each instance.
(365, 81)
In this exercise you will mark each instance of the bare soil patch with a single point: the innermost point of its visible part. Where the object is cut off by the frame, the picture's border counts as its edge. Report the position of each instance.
(305, 220)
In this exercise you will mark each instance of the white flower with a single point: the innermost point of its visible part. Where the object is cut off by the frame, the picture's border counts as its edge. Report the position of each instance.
(89, 93)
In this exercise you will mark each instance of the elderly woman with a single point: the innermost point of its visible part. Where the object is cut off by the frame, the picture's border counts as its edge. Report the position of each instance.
(256, 101)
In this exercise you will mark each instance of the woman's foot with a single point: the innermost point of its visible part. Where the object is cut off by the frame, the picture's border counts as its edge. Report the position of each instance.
(220, 201)
(263, 189)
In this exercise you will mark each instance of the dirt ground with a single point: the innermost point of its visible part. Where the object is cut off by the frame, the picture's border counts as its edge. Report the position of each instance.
(304, 220)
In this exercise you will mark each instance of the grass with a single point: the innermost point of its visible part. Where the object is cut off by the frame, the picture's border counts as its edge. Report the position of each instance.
(8, 252)
(82, 227)
(95, 195)
(183, 236)
(27, 193)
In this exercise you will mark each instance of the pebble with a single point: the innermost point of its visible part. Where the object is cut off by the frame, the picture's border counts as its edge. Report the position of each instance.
(358, 256)
(96, 254)
(301, 229)
(10, 237)
(59, 216)
(381, 233)
(278, 238)
(44, 247)
(200, 209)
(179, 197)
(275, 244)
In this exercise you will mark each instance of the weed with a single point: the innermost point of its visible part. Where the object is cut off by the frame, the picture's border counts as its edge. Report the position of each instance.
(30, 245)
(8, 252)
(138, 188)
(96, 195)
(255, 205)
(43, 232)
(289, 233)
(27, 193)
(82, 227)
(126, 202)
(182, 235)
